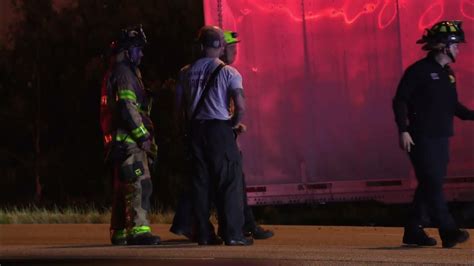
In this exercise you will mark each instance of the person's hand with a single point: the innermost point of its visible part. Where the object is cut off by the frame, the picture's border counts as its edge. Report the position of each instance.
(240, 128)
(406, 141)
(169, 84)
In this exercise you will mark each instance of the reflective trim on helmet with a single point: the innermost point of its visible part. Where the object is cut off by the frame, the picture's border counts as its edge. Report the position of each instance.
(125, 94)
(139, 131)
(137, 230)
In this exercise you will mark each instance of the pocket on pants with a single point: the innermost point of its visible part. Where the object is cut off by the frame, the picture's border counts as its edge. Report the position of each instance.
(232, 156)
(118, 152)
(131, 172)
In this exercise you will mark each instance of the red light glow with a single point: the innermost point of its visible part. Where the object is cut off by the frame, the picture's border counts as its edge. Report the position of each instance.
(431, 15)
(319, 84)
(467, 9)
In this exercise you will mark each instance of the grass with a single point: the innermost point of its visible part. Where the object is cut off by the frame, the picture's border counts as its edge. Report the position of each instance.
(354, 214)
(68, 215)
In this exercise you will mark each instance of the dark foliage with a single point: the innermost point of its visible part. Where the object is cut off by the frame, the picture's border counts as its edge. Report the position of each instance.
(50, 78)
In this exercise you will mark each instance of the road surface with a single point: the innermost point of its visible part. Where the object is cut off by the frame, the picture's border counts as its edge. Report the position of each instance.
(87, 244)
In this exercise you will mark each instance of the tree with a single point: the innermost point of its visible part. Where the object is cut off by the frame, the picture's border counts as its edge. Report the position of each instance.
(51, 82)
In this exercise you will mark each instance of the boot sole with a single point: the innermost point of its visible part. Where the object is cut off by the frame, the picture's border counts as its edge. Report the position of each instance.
(454, 243)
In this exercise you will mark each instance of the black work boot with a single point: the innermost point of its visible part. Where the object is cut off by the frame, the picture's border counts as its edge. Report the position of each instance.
(182, 232)
(453, 237)
(141, 235)
(118, 237)
(143, 239)
(239, 242)
(212, 240)
(417, 236)
(258, 233)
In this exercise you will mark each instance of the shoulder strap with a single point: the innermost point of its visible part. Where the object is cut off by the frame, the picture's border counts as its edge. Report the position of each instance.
(209, 83)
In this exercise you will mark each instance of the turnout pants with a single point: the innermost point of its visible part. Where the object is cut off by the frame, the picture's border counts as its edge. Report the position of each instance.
(132, 189)
(430, 157)
(217, 171)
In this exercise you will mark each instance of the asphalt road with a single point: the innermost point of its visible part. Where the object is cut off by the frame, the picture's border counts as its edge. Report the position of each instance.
(87, 244)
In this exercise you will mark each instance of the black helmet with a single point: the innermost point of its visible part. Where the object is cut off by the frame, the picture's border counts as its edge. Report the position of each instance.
(445, 32)
(129, 37)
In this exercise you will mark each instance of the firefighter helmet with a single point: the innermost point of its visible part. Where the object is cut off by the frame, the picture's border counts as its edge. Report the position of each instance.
(129, 37)
(444, 32)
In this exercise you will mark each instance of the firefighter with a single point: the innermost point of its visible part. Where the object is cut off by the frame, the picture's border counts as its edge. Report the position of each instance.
(128, 139)
(424, 106)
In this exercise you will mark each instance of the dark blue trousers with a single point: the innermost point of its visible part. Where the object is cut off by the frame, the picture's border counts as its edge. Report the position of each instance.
(217, 171)
(183, 220)
(430, 157)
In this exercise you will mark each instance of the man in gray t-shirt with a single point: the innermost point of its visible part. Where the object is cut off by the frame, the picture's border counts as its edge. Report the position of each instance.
(216, 163)
(216, 105)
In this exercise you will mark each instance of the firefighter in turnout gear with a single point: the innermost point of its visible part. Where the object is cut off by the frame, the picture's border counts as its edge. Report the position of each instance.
(128, 138)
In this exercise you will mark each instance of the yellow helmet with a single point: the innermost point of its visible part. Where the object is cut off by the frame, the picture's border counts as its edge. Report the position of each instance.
(230, 37)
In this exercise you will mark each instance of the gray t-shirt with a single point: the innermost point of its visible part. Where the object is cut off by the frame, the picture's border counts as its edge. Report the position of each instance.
(193, 79)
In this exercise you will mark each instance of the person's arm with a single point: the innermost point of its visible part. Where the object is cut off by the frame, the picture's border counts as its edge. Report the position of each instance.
(129, 112)
(402, 98)
(239, 106)
(179, 113)
(179, 93)
(463, 112)
(236, 95)
(400, 108)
